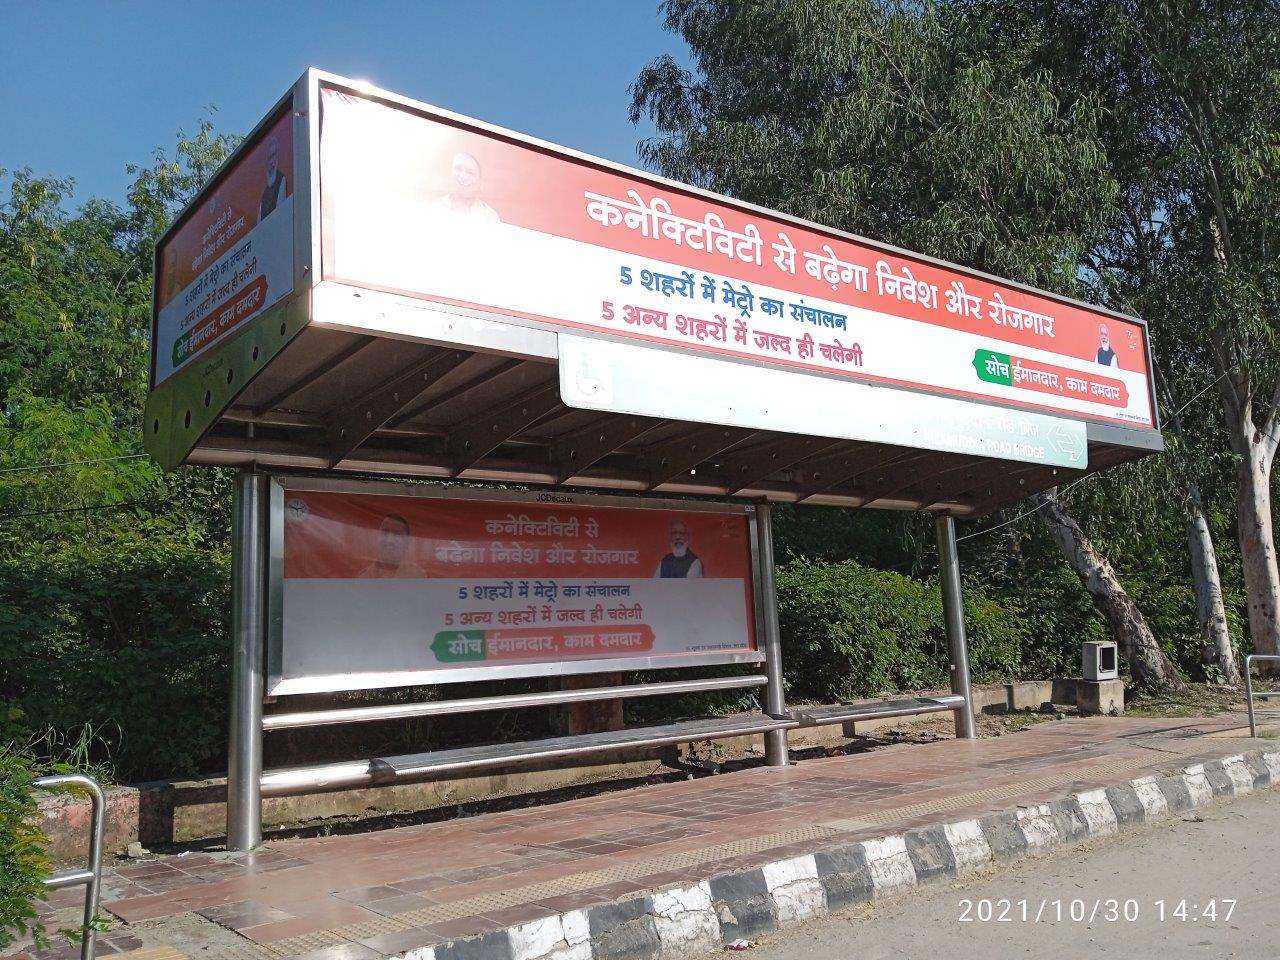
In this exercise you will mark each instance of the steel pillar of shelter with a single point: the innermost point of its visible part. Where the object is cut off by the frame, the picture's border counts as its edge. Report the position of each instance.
(953, 611)
(248, 638)
(776, 750)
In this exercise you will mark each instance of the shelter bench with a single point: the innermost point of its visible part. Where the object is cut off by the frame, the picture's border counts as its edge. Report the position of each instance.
(876, 709)
(406, 767)
(385, 770)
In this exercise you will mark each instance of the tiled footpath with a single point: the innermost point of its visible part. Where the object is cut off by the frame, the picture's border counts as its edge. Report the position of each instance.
(680, 869)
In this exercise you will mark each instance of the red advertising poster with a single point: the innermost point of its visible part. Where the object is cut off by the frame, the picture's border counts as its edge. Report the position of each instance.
(414, 205)
(232, 256)
(389, 590)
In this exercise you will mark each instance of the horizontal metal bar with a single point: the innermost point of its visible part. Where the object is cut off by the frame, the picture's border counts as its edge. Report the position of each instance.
(1261, 656)
(381, 771)
(69, 878)
(402, 711)
(843, 713)
(333, 683)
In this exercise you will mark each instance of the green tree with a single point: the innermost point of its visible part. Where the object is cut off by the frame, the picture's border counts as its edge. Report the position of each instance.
(107, 568)
(1193, 141)
(921, 125)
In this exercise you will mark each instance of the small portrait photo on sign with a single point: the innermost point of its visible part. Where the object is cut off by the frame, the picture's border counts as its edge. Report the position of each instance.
(1106, 355)
(277, 183)
(393, 554)
(466, 189)
(680, 561)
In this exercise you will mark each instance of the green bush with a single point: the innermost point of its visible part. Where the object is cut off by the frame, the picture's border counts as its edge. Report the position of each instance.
(1058, 616)
(23, 864)
(128, 640)
(849, 631)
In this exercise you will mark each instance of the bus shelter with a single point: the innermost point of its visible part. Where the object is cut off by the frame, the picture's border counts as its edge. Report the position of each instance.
(615, 376)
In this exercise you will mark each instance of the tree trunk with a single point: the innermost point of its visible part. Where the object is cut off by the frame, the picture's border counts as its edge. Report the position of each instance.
(1211, 612)
(1258, 547)
(1147, 662)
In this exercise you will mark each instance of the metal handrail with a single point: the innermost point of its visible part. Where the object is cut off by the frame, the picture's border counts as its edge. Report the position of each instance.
(435, 708)
(90, 876)
(1248, 686)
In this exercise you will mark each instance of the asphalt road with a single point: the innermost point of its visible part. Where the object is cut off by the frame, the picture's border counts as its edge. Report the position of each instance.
(1194, 864)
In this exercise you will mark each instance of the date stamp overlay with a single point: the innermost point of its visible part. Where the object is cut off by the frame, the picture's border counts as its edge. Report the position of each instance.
(1087, 911)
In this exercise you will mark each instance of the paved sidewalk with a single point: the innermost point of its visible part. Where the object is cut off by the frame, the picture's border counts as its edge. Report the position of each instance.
(364, 896)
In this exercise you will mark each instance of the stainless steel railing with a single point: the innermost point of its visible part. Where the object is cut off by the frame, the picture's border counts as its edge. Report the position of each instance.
(1248, 687)
(90, 876)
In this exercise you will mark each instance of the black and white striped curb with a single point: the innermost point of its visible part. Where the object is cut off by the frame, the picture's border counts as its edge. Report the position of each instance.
(704, 917)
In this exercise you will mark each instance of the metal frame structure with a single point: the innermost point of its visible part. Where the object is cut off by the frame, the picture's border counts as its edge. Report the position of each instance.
(344, 381)
(279, 486)
(91, 876)
(1250, 696)
(257, 578)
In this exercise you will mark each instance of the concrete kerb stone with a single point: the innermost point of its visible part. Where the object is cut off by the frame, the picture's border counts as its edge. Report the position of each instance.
(693, 920)
(1177, 793)
(845, 875)
(1154, 802)
(1004, 835)
(1261, 772)
(931, 855)
(1219, 780)
(890, 866)
(969, 846)
(1127, 805)
(1070, 820)
(1100, 816)
(686, 920)
(743, 905)
(1241, 776)
(566, 937)
(1039, 828)
(795, 888)
(624, 931)
(1198, 785)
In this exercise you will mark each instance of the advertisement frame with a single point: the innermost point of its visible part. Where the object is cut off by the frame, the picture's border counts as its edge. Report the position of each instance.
(305, 167)
(319, 80)
(278, 685)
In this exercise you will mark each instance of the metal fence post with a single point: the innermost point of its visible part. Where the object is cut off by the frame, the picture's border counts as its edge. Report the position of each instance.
(953, 611)
(91, 876)
(1248, 695)
(776, 750)
(248, 625)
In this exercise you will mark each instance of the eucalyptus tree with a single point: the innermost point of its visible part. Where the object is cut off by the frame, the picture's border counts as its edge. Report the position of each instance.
(908, 123)
(1193, 140)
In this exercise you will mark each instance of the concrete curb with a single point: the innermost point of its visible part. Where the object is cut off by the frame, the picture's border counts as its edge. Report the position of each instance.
(702, 918)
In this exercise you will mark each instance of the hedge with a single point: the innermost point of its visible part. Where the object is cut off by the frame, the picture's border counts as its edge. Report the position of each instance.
(849, 631)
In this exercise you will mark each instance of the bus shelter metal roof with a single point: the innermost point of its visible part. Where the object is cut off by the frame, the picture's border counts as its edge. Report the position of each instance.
(341, 380)
(355, 403)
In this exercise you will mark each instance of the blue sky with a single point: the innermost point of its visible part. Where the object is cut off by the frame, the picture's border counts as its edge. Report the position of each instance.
(93, 86)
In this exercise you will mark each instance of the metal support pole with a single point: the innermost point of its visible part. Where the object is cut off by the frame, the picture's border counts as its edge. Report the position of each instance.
(776, 750)
(248, 626)
(953, 611)
(91, 877)
(1248, 695)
